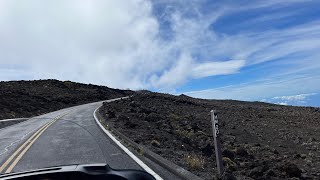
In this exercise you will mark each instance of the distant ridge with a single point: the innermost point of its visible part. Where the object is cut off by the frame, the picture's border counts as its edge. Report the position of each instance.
(31, 98)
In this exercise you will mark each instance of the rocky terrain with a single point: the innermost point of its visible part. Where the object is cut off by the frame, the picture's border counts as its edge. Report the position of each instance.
(31, 98)
(259, 140)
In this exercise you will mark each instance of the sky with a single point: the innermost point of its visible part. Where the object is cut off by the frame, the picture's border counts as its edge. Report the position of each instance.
(233, 49)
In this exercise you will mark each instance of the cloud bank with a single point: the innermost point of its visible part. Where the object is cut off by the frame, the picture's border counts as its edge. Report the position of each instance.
(115, 43)
(293, 99)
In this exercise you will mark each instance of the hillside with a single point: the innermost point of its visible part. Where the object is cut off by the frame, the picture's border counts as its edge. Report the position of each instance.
(259, 140)
(31, 98)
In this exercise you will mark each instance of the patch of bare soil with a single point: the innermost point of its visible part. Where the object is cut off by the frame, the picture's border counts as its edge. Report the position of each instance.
(259, 140)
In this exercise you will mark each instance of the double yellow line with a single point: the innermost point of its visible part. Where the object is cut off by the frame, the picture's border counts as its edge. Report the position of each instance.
(18, 154)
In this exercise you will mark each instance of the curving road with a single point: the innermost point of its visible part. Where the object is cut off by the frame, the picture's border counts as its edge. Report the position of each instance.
(64, 137)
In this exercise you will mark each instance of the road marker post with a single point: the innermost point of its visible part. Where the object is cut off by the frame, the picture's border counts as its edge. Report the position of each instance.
(217, 144)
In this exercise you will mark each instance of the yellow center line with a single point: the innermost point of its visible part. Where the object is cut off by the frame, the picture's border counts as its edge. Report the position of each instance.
(26, 149)
(20, 148)
(26, 146)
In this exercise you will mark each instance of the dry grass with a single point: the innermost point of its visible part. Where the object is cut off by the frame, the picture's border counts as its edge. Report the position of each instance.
(229, 164)
(186, 134)
(155, 143)
(141, 151)
(174, 117)
(195, 162)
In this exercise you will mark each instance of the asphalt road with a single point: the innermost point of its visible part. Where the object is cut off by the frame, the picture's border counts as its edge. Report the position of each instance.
(73, 137)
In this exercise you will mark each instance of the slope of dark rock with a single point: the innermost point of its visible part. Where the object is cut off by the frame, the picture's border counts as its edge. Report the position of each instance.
(31, 98)
(259, 140)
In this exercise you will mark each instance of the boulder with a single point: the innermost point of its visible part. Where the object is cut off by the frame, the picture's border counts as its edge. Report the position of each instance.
(291, 169)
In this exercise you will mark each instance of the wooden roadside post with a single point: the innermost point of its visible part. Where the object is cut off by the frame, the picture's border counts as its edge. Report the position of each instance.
(217, 144)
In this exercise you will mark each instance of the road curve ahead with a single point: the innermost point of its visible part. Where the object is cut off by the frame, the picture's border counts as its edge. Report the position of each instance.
(68, 136)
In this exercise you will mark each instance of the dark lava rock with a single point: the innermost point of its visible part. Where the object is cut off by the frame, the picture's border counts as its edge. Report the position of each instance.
(270, 172)
(122, 117)
(195, 127)
(242, 152)
(131, 124)
(228, 176)
(256, 172)
(229, 154)
(297, 156)
(184, 128)
(259, 170)
(153, 117)
(291, 169)
(275, 151)
(32, 98)
(207, 150)
(111, 114)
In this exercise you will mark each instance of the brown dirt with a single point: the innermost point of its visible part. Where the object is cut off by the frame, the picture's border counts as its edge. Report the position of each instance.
(259, 140)
(31, 98)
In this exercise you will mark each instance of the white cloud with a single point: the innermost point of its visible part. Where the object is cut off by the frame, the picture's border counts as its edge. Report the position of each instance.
(298, 97)
(217, 68)
(114, 43)
(263, 46)
(92, 41)
(177, 74)
(264, 89)
(282, 103)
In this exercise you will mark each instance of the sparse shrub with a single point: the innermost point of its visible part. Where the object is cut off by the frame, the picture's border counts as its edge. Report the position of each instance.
(229, 154)
(242, 152)
(229, 164)
(68, 83)
(141, 151)
(155, 143)
(174, 117)
(186, 134)
(195, 162)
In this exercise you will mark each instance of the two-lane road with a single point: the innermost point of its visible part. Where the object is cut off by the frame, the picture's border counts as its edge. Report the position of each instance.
(65, 137)
(68, 136)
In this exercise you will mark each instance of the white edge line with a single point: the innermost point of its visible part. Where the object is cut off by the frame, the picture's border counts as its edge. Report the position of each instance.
(16, 124)
(135, 158)
(17, 119)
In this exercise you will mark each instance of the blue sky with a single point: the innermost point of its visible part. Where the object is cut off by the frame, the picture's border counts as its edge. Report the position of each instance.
(245, 50)
(278, 40)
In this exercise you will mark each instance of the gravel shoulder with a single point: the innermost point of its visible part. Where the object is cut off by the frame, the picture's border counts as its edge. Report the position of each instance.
(259, 140)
